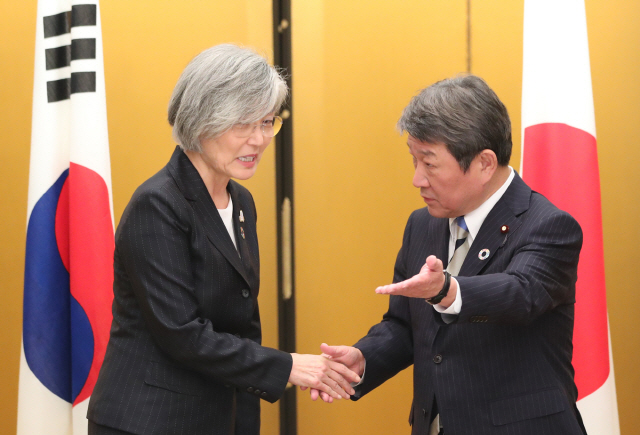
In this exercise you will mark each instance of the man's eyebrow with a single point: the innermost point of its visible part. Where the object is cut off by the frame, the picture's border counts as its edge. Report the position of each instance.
(427, 153)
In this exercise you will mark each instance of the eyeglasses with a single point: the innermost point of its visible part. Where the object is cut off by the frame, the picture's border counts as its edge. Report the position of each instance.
(269, 127)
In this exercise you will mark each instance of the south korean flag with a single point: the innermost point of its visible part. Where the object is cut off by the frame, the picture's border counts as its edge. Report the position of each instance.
(69, 242)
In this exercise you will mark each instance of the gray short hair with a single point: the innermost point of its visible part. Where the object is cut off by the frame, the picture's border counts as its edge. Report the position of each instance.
(463, 113)
(222, 86)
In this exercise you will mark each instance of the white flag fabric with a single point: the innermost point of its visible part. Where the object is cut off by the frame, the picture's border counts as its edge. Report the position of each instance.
(560, 160)
(69, 248)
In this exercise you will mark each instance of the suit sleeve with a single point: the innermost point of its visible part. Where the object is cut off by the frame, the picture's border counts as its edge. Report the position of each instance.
(154, 247)
(540, 275)
(388, 346)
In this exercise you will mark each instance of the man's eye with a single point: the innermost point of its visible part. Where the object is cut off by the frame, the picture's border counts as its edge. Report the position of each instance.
(267, 122)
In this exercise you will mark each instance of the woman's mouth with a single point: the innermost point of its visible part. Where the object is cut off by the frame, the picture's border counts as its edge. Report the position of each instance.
(248, 161)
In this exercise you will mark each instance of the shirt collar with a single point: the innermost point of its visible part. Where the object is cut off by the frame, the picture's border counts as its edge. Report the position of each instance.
(475, 218)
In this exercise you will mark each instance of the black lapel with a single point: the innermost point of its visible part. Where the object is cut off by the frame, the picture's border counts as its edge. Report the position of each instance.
(439, 236)
(194, 190)
(440, 233)
(246, 235)
(507, 210)
(429, 236)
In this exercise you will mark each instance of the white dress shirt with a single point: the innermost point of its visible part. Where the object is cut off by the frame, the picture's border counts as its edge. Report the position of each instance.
(474, 221)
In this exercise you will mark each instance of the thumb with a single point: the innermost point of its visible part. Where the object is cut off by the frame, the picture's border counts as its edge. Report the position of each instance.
(332, 351)
(434, 264)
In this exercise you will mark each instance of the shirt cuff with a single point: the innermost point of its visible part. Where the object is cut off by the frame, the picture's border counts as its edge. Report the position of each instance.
(455, 307)
(355, 384)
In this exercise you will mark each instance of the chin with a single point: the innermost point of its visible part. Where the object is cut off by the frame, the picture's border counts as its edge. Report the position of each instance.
(439, 213)
(243, 175)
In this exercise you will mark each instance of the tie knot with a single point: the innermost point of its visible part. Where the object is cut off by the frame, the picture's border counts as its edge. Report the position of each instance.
(461, 223)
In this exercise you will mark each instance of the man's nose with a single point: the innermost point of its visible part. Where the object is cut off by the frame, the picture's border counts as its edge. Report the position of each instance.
(419, 180)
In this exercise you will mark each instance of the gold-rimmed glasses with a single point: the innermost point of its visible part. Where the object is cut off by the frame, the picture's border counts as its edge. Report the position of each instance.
(269, 127)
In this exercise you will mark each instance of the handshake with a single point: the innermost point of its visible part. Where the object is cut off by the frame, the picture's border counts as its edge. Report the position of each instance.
(329, 375)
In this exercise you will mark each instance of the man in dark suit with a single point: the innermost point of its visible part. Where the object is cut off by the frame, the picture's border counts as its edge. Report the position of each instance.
(487, 319)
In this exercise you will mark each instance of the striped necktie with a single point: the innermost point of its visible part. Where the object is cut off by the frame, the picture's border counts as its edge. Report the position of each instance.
(462, 247)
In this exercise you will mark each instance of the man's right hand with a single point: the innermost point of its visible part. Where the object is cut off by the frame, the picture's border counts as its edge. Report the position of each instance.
(332, 378)
(350, 356)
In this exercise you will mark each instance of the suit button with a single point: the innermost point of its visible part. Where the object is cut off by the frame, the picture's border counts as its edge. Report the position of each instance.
(250, 390)
(437, 359)
(245, 293)
(257, 392)
(264, 394)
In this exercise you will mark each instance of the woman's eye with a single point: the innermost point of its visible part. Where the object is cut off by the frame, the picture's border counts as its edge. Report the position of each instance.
(267, 122)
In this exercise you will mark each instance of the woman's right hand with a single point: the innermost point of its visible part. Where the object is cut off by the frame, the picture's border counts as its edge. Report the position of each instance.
(322, 374)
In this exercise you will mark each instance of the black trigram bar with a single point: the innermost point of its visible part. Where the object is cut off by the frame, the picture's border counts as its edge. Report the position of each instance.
(83, 82)
(58, 90)
(84, 15)
(81, 48)
(58, 24)
(80, 15)
(58, 57)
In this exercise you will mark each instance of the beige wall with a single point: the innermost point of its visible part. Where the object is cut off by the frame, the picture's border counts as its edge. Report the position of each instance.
(356, 64)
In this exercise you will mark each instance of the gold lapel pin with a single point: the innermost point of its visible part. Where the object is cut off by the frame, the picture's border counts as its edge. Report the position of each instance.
(241, 216)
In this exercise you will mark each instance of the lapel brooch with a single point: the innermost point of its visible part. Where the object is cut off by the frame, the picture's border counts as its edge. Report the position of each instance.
(241, 216)
(504, 229)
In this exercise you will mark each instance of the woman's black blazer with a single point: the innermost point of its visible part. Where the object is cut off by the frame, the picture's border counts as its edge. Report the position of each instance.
(184, 355)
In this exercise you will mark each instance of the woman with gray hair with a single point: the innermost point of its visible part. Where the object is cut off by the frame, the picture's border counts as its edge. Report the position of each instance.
(185, 354)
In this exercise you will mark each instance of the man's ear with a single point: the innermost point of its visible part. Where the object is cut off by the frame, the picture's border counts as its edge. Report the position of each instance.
(488, 162)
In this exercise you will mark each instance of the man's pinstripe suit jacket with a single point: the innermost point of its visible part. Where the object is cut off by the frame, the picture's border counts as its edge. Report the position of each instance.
(504, 365)
(184, 356)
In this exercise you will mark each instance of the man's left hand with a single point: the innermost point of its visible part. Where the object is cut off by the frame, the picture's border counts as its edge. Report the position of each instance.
(426, 284)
